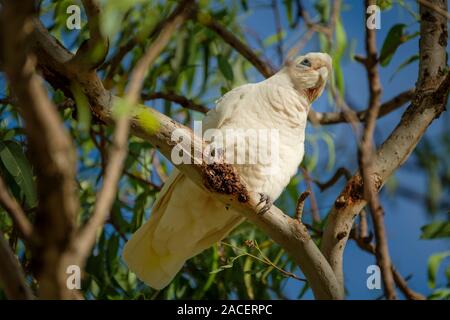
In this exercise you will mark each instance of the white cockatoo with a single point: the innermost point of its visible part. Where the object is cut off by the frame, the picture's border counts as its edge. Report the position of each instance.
(185, 219)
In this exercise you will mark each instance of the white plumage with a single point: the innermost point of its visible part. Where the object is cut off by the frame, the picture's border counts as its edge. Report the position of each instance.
(185, 219)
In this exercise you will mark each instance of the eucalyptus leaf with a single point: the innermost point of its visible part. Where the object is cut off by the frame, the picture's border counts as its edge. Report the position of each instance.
(17, 166)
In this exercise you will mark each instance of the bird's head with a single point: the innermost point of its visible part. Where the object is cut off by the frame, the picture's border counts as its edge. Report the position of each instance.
(309, 73)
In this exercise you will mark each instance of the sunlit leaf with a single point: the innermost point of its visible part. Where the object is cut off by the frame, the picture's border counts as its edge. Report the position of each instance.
(440, 229)
(433, 266)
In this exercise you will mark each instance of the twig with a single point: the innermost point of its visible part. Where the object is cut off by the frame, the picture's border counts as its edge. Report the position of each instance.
(209, 22)
(266, 261)
(312, 199)
(16, 212)
(363, 229)
(301, 204)
(339, 173)
(12, 278)
(400, 282)
(91, 53)
(185, 8)
(325, 118)
(145, 181)
(173, 97)
(365, 158)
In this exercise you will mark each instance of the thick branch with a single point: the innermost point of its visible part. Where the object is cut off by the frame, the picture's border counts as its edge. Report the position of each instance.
(50, 149)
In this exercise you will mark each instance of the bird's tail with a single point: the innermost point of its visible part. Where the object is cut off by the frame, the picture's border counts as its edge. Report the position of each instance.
(185, 221)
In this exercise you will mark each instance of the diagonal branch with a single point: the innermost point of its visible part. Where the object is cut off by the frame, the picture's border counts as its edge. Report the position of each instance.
(207, 21)
(184, 8)
(12, 278)
(9, 203)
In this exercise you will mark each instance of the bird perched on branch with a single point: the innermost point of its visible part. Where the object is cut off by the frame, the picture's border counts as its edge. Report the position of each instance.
(185, 219)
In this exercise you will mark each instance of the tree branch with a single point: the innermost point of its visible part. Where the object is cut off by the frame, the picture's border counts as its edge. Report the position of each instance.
(366, 150)
(173, 97)
(91, 53)
(51, 150)
(399, 280)
(16, 212)
(185, 7)
(12, 279)
(263, 67)
(325, 118)
(429, 102)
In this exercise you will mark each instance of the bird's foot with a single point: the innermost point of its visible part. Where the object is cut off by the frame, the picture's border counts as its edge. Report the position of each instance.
(265, 201)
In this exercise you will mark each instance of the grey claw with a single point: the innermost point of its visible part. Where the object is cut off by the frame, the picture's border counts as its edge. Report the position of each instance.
(264, 198)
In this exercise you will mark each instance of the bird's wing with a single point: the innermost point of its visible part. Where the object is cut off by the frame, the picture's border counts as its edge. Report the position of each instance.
(226, 106)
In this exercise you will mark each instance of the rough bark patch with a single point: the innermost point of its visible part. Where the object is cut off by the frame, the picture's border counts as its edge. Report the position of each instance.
(223, 178)
(353, 192)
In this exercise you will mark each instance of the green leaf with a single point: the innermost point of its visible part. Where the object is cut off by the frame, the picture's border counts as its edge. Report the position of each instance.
(288, 6)
(244, 5)
(440, 229)
(270, 40)
(404, 64)
(225, 67)
(82, 103)
(341, 40)
(440, 294)
(17, 166)
(339, 78)
(384, 4)
(248, 277)
(433, 266)
(394, 39)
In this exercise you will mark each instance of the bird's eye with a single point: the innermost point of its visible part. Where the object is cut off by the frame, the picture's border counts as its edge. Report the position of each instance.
(306, 63)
